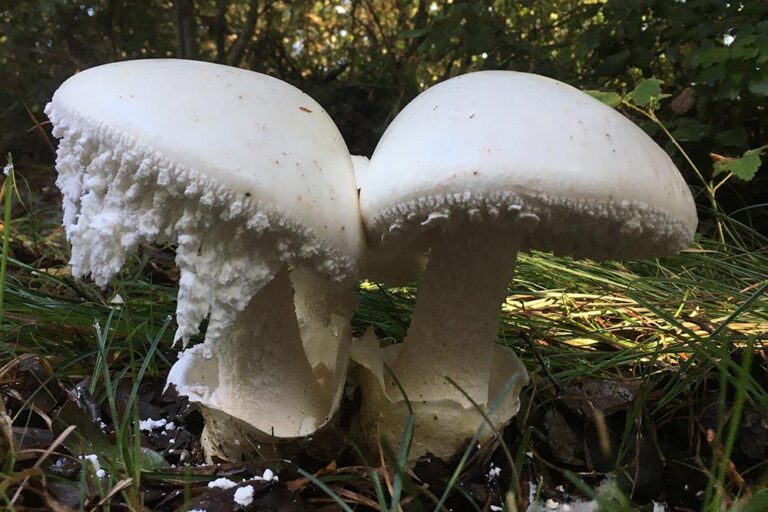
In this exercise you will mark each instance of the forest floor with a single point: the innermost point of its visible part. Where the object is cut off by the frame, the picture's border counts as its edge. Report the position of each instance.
(649, 390)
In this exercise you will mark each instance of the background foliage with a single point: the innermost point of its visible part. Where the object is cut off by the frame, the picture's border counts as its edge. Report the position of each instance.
(365, 59)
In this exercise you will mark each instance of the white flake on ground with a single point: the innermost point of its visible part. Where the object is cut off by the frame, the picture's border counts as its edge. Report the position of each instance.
(169, 426)
(493, 473)
(222, 483)
(93, 459)
(607, 490)
(8, 168)
(101, 473)
(268, 476)
(244, 496)
(149, 424)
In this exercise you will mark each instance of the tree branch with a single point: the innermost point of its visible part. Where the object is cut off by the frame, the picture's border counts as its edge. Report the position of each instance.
(220, 28)
(186, 38)
(237, 50)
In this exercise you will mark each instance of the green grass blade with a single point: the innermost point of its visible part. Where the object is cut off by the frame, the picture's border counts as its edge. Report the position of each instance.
(327, 490)
(8, 186)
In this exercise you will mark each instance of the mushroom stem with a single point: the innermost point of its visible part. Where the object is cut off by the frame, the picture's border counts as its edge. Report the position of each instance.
(456, 317)
(263, 366)
(258, 375)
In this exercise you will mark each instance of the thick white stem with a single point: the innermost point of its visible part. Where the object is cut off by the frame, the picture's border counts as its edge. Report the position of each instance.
(324, 309)
(265, 377)
(456, 317)
(275, 373)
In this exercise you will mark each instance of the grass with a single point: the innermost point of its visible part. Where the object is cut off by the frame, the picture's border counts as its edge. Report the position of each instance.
(667, 357)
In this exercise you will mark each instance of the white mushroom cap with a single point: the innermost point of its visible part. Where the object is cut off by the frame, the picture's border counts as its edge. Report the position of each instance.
(571, 174)
(226, 123)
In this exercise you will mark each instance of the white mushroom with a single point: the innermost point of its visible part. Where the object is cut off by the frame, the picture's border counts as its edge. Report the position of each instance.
(248, 176)
(474, 170)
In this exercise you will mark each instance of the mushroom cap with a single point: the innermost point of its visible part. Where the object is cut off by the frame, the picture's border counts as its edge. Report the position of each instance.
(258, 137)
(565, 172)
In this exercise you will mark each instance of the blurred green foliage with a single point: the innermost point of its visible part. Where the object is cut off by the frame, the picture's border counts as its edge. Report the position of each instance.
(365, 59)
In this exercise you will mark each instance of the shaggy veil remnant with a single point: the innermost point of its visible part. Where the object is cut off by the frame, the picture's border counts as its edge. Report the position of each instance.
(119, 194)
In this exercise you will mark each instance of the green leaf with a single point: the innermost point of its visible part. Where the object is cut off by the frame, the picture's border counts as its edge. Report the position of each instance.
(759, 86)
(758, 502)
(744, 167)
(714, 74)
(611, 99)
(413, 33)
(480, 39)
(734, 138)
(151, 460)
(707, 57)
(687, 129)
(646, 92)
(743, 48)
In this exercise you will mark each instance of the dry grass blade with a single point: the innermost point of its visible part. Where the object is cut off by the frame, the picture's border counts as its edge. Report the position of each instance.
(384, 470)
(299, 483)
(118, 487)
(7, 445)
(354, 497)
(55, 444)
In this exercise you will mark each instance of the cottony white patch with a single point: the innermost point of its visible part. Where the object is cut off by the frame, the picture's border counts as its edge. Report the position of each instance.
(149, 424)
(222, 483)
(493, 473)
(268, 476)
(244, 496)
(607, 490)
(93, 459)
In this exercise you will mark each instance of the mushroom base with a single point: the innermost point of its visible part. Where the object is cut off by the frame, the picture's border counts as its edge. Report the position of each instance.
(277, 375)
(226, 437)
(442, 427)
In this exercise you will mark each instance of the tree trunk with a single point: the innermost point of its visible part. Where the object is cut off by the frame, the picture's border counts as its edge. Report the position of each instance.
(186, 28)
(237, 51)
(220, 29)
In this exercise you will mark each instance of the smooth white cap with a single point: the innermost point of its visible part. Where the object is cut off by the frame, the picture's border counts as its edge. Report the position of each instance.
(564, 171)
(253, 134)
